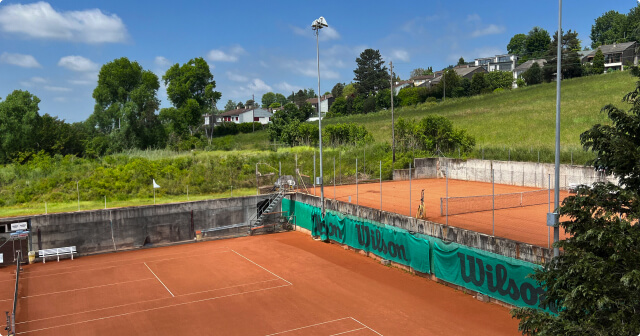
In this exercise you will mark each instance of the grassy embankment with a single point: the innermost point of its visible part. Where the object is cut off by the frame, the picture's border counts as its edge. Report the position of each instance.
(522, 120)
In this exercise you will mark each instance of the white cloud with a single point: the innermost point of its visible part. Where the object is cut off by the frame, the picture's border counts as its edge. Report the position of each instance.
(39, 80)
(258, 85)
(473, 18)
(21, 60)
(81, 81)
(33, 81)
(326, 34)
(77, 63)
(286, 87)
(417, 25)
(60, 99)
(236, 77)
(401, 55)
(232, 55)
(57, 88)
(40, 20)
(488, 30)
(161, 62)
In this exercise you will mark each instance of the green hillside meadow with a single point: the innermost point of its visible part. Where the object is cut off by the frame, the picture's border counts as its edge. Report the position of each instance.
(517, 124)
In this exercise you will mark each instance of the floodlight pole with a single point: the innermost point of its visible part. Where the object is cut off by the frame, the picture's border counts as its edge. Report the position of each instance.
(393, 124)
(317, 25)
(556, 201)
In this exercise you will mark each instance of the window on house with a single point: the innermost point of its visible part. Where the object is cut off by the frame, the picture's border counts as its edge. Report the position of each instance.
(256, 118)
(504, 67)
(269, 118)
(504, 59)
(236, 118)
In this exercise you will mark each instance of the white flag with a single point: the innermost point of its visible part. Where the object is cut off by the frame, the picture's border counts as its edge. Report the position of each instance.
(155, 185)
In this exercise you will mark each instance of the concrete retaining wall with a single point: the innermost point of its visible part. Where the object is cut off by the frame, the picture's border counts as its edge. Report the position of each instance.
(133, 227)
(528, 174)
(502, 246)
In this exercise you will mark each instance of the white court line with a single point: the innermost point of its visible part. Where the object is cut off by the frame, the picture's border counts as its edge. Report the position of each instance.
(146, 301)
(349, 331)
(107, 267)
(150, 309)
(82, 288)
(277, 276)
(165, 286)
(366, 326)
(309, 326)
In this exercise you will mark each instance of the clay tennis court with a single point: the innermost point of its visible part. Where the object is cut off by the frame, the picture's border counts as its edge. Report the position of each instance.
(278, 284)
(525, 224)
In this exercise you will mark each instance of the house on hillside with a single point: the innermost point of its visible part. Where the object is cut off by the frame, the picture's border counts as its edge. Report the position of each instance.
(325, 103)
(464, 71)
(419, 80)
(520, 69)
(506, 62)
(399, 85)
(244, 115)
(616, 56)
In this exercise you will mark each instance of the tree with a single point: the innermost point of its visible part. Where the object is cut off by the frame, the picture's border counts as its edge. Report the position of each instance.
(461, 61)
(371, 74)
(421, 72)
(571, 66)
(268, 99)
(281, 99)
(190, 88)
(533, 75)
(595, 282)
(479, 84)
(339, 107)
(537, 43)
(451, 80)
(598, 62)
(19, 123)
(274, 105)
(349, 90)
(337, 89)
(609, 28)
(230, 105)
(250, 103)
(517, 45)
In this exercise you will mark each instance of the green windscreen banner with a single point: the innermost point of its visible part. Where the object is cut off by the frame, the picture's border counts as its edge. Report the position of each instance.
(494, 275)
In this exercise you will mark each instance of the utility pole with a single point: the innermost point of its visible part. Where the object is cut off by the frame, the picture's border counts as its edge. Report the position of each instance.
(253, 112)
(556, 219)
(393, 124)
(444, 85)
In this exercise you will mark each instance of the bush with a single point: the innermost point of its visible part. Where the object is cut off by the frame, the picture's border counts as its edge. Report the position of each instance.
(498, 90)
(248, 127)
(432, 100)
(433, 133)
(343, 134)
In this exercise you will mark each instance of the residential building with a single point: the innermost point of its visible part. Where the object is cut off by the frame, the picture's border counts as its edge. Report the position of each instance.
(520, 69)
(506, 62)
(419, 80)
(325, 103)
(464, 71)
(244, 115)
(397, 86)
(616, 56)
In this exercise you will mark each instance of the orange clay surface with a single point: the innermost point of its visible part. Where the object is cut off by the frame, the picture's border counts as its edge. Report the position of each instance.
(524, 224)
(278, 284)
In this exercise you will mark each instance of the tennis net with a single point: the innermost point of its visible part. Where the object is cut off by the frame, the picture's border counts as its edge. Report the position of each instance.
(11, 318)
(467, 204)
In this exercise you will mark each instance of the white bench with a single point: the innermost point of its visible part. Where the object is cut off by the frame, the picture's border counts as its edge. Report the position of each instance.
(70, 250)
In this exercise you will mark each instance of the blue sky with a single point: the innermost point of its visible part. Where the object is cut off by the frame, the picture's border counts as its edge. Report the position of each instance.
(55, 49)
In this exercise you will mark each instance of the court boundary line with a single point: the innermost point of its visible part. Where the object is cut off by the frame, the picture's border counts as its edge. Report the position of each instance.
(82, 288)
(253, 262)
(364, 326)
(149, 309)
(132, 261)
(154, 274)
(107, 267)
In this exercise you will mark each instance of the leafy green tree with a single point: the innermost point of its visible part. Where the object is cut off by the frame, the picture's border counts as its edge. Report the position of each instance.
(421, 72)
(274, 105)
(350, 90)
(280, 98)
(432, 133)
(409, 96)
(517, 45)
(190, 89)
(571, 66)
(250, 103)
(383, 99)
(595, 282)
(240, 105)
(499, 79)
(371, 74)
(57, 137)
(337, 89)
(339, 107)
(230, 106)
(533, 75)
(450, 81)
(609, 28)
(461, 61)
(19, 123)
(479, 84)
(598, 62)
(537, 43)
(268, 99)
(126, 105)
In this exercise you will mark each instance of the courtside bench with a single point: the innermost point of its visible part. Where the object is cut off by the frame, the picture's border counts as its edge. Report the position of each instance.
(57, 252)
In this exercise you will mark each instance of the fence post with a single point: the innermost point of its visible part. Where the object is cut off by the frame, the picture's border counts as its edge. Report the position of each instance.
(409, 189)
(483, 153)
(78, 190)
(45, 207)
(334, 177)
(380, 185)
(357, 203)
(314, 172)
(279, 169)
(549, 211)
(572, 157)
(509, 154)
(257, 184)
(187, 192)
(446, 197)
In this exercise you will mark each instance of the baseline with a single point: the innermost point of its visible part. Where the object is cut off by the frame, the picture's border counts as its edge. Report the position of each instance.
(341, 326)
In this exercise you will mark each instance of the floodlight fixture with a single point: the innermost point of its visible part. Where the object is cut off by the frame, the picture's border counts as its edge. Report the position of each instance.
(319, 24)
